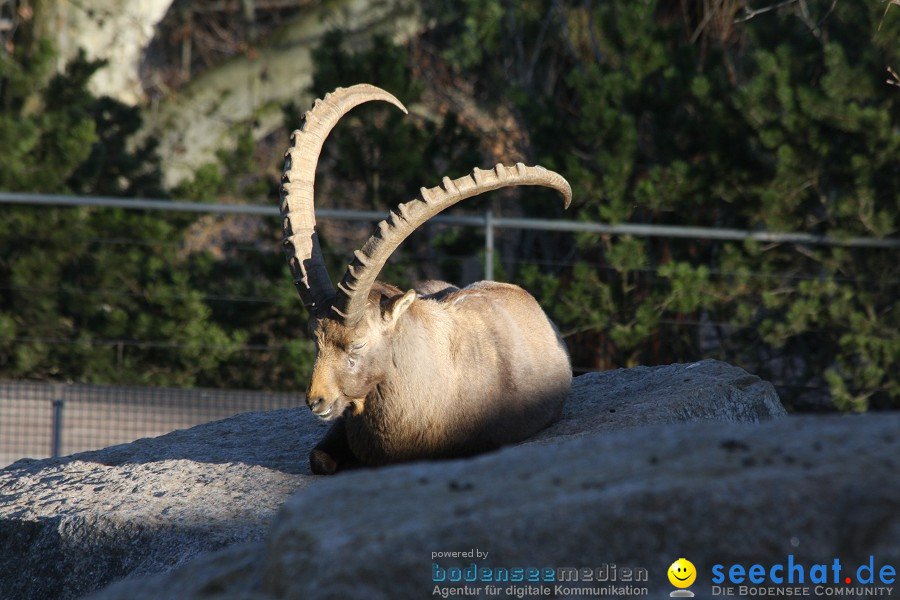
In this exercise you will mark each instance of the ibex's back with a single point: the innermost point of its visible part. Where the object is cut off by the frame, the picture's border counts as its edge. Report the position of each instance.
(404, 375)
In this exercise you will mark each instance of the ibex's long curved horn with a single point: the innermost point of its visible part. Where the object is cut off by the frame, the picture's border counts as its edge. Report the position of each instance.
(353, 290)
(301, 242)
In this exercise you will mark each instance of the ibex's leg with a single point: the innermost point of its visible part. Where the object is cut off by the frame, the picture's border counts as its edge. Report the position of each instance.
(333, 452)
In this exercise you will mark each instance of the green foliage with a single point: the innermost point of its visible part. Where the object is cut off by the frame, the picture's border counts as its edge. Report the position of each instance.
(782, 122)
(249, 290)
(231, 175)
(93, 295)
(79, 305)
(113, 296)
(252, 298)
(39, 130)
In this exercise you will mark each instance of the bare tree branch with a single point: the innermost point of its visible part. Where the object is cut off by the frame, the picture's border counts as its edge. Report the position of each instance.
(750, 13)
(886, 8)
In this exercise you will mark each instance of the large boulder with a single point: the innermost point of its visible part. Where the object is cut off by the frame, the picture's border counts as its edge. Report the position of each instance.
(72, 525)
(803, 491)
(816, 488)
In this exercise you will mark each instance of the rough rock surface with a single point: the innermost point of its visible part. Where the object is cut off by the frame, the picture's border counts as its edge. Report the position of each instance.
(116, 31)
(817, 488)
(194, 123)
(703, 391)
(72, 525)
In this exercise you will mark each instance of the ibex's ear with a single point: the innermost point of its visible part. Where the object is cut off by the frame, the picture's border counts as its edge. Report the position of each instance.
(397, 306)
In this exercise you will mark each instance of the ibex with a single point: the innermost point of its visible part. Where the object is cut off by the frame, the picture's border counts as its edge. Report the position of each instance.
(430, 373)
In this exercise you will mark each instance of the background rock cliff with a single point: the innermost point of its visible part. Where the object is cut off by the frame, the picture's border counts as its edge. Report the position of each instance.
(248, 85)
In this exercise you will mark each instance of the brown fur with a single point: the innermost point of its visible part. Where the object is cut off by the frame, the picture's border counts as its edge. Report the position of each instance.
(443, 373)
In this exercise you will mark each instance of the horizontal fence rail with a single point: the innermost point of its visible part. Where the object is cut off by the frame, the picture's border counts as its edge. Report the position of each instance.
(488, 220)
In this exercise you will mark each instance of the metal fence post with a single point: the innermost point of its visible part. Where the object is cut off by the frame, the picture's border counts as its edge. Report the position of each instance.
(489, 244)
(56, 442)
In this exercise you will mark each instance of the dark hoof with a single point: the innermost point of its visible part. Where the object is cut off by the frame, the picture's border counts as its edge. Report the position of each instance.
(321, 463)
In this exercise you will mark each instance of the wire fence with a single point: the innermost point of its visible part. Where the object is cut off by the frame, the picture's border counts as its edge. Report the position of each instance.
(40, 420)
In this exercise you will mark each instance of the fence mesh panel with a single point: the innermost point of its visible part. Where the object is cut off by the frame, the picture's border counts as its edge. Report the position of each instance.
(40, 419)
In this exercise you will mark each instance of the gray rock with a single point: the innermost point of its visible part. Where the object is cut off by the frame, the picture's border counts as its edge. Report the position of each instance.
(813, 488)
(72, 525)
(704, 391)
(818, 488)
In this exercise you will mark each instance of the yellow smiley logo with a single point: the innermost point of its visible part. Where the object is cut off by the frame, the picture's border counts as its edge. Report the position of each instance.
(682, 573)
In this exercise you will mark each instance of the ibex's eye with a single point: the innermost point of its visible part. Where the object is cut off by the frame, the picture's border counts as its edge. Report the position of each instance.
(352, 354)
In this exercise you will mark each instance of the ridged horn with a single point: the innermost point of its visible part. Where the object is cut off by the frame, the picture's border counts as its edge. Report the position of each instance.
(298, 219)
(353, 290)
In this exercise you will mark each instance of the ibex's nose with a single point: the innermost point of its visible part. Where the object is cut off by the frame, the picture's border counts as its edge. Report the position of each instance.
(315, 403)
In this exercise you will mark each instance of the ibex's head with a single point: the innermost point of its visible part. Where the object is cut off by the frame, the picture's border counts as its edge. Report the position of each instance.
(353, 324)
(352, 359)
